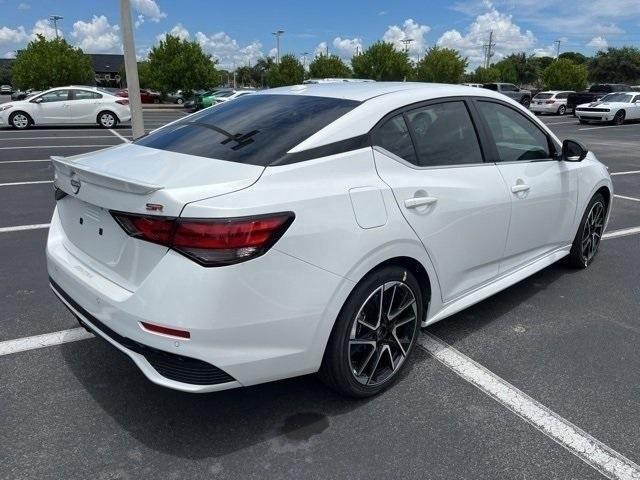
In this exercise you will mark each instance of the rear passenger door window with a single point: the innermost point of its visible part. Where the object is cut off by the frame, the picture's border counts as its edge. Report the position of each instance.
(516, 137)
(444, 135)
(393, 135)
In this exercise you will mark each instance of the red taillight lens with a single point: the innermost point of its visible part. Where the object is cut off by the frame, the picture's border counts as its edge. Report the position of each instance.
(123, 101)
(212, 242)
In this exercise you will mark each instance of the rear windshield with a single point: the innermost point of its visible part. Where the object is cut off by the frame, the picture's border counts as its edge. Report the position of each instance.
(543, 96)
(254, 129)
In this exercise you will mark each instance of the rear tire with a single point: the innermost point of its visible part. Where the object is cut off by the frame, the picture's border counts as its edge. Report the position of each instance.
(107, 119)
(585, 245)
(374, 333)
(562, 110)
(20, 120)
(526, 101)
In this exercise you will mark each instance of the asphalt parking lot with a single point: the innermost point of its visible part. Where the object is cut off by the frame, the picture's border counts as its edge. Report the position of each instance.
(566, 338)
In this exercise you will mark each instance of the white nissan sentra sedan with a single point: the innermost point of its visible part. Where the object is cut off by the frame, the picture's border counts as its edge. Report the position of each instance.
(315, 228)
(66, 106)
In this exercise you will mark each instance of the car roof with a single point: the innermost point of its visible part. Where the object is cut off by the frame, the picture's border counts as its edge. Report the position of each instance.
(367, 90)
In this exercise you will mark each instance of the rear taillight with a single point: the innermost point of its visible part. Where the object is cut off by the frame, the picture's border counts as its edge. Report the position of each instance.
(213, 242)
(123, 101)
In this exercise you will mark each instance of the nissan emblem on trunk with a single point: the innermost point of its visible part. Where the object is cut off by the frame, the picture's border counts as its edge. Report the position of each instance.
(75, 183)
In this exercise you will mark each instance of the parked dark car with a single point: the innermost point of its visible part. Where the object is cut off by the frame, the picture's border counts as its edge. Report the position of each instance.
(22, 94)
(6, 90)
(146, 96)
(520, 95)
(595, 93)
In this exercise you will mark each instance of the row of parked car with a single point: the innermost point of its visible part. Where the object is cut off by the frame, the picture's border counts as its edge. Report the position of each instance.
(609, 102)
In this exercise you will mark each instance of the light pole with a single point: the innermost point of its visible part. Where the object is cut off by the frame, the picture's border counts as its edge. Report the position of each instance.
(407, 42)
(131, 68)
(277, 33)
(54, 19)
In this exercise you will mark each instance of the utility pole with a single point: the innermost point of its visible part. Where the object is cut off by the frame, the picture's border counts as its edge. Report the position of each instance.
(407, 42)
(327, 50)
(131, 69)
(54, 19)
(304, 59)
(489, 50)
(557, 42)
(277, 33)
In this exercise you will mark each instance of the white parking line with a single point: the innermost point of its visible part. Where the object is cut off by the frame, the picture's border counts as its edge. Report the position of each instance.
(24, 161)
(13, 184)
(46, 340)
(121, 137)
(587, 448)
(630, 172)
(609, 126)
(60, 146)
(623, 232)
(633, 199)
(561, 123)
(60, 138)
(24, 227)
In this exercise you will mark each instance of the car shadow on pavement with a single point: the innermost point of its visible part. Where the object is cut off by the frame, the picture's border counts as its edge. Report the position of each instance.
(286, 415)
(477, 317)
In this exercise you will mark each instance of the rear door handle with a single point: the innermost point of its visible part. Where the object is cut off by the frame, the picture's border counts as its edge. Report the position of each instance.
(521, 187)
(419, 201)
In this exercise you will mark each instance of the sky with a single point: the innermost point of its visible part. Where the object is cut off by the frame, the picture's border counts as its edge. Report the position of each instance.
(239, 33)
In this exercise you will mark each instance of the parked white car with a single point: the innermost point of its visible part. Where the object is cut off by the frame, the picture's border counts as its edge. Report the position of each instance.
(614, 107)
(551, 101)
(66, 106)
(476, 85)
(231, 95)
(315, 228)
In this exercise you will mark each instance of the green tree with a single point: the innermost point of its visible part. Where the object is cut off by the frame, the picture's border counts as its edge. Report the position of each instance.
(575, 57)
(50, 63)
(617, 65)
(563, 74)
(5, 75)
(443, 65)
(518, 68)
(485, 75)
(327, 66)
(382, 62)
(177, 64)
(288, 72)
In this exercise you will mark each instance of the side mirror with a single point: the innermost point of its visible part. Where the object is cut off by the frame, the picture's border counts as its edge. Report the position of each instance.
(37, 100)
(573, 151)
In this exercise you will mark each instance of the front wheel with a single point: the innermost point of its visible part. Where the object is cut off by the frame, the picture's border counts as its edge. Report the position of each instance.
(618, 119)
(585, 244)
(20, 120)
(107, 120)
(374, 334)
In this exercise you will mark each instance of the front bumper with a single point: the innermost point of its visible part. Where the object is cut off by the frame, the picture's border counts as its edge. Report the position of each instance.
(253, 322)
(595, 116)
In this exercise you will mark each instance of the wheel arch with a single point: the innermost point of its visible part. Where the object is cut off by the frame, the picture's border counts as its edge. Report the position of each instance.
(15, 112)
(106, 110)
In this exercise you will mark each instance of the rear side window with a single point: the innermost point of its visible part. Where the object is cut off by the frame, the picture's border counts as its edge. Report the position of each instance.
(86, 95)
(394, 136)
(516, 137)
(444, 135)
(253, 129)
(562, 96)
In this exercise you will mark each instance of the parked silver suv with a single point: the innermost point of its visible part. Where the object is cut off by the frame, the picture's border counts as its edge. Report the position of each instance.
(510, 90)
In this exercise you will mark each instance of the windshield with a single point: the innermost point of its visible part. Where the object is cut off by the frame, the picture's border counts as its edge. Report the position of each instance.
(617, 97)
(254, 129)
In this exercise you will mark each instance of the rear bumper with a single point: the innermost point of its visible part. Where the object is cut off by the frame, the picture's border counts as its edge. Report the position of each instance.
(551, 108)
(257, 321)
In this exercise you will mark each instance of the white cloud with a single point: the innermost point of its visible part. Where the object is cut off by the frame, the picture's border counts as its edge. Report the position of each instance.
(272, 53)
(228, 51)
(9, 54)
(10, 35)
(410, 29)
(149, 9)
(96, 36)
(177, 31)
(347, 47)
(507, 36)
(321, 49)
(43, 27)
(139, 21)
(599, 43)
(23, 6)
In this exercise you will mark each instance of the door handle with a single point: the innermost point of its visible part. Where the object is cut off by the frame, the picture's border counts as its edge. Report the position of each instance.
(521, 187)
(419, 201)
